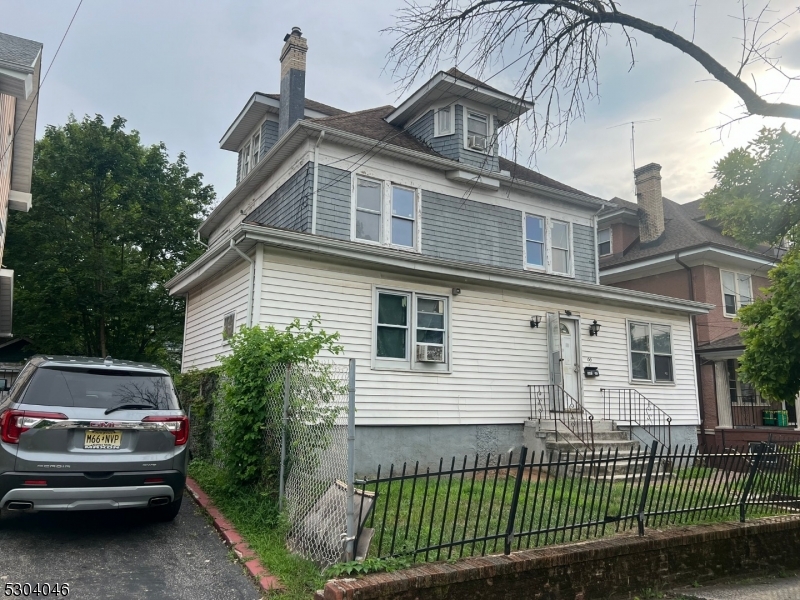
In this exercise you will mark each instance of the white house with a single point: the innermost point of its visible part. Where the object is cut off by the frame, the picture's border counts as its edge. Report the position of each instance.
(434, 257)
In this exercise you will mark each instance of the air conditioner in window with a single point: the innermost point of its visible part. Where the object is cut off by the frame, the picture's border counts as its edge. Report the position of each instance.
(430, 353)
(477, 142)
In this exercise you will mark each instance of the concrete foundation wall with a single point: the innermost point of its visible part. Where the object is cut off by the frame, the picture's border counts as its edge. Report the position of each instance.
(429, 443)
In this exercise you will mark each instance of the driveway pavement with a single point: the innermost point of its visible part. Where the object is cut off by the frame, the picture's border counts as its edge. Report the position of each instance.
(120, 555)
(766, 589)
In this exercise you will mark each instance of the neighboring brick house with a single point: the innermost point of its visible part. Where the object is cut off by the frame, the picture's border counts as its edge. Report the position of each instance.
(20, 65)
(662, 247)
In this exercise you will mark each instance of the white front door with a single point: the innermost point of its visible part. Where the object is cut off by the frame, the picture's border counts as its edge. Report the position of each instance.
(570, 369)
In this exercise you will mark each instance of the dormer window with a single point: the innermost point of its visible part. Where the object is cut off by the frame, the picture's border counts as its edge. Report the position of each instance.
(256, 144)
(244, 162)
(477, 132)
(443, 123)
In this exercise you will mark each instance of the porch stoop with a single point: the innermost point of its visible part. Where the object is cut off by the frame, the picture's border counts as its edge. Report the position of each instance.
(544, 437)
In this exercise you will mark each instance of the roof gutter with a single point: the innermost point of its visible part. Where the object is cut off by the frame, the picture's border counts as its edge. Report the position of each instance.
(314, 193)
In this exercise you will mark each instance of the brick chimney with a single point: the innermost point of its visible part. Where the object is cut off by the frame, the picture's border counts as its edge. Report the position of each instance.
(650, 201)
(293, 80)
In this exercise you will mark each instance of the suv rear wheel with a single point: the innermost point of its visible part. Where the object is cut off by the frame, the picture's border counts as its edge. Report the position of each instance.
(168, 512)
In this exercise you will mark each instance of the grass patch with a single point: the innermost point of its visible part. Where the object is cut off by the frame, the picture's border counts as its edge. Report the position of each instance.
(255, 515)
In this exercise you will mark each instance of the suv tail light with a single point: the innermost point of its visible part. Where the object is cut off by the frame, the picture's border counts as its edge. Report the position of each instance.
(13, 423)
(177, 426)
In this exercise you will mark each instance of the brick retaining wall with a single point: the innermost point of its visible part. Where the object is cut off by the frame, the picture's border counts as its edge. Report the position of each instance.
(594, 569)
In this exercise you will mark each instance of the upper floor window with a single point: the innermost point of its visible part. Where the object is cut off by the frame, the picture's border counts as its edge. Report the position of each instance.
(244, 162)
(651, 352)
(385, 213)
(256, 144)
(604, 242)
(443, 123)
(548, 245)
(736, 292)
(477, 131)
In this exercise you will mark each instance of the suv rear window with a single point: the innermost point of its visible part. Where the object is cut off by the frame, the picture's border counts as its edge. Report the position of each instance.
(99, 388)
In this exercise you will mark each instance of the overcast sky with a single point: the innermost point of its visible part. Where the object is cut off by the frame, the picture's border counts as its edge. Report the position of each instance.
(180, 71)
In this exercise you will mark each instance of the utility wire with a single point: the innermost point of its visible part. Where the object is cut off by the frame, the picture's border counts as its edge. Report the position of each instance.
(36, 96)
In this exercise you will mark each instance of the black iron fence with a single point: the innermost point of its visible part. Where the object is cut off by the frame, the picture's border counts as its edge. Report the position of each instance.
(551, 401)
(629, 408)
(482, 505)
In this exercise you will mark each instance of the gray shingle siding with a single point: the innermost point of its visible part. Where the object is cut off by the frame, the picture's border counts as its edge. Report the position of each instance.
(269, 135)
(584, 249)
(288, 207)
(468, 231)
(333, 203)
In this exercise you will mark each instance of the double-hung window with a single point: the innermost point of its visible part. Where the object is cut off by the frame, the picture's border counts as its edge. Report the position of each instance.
(444, 121)
(478, 132)
(604, 242)
(560, 247)
(409, 328)
(736, 291)
(650, 352)
(245, 161)
(548, 245)
(534, 241)
(385, 213)
(369, 202)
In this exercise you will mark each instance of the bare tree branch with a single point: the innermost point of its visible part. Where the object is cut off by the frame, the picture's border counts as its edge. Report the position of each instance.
(559, 43)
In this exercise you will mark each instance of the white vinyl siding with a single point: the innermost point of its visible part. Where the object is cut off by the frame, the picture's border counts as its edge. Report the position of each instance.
(494, 352)
(205, 319)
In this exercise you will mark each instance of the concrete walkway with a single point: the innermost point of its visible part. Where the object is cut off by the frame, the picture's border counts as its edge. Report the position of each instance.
(763, 589)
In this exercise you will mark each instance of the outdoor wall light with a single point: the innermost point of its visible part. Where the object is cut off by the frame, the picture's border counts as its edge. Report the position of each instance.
(535, 320)
(594, 328)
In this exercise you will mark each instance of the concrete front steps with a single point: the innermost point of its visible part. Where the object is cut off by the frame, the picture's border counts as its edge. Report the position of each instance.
(553, 438)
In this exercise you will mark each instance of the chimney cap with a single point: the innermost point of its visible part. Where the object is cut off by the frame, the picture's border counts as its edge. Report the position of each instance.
(647, 168)
(295, 31)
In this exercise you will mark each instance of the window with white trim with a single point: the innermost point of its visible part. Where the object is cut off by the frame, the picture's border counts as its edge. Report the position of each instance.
(650, 352)
(478, 134)
(244, 161)
(604, 242)
(548, 245)
(385, 213)
(256, 144)
(443, 122)
(737, 291)
(534, 241)
(411, 331)
(228, 322)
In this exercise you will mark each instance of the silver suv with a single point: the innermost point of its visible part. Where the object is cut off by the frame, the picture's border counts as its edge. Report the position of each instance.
(88, 434)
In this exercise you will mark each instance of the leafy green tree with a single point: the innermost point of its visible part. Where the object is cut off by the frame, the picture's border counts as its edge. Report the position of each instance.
(757, 200)
(112, 220)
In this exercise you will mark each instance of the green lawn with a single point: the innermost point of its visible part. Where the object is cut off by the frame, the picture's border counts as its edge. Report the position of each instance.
(428, 513)
(256, 517)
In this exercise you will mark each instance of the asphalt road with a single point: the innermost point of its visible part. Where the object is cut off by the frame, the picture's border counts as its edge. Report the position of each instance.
(787, 588)
(110, 555)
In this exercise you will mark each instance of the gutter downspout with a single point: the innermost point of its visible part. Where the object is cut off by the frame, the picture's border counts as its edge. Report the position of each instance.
(698, 372)
(314, 193)
(251, 281)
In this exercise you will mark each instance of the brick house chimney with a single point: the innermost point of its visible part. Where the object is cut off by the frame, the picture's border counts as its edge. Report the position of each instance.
(650, 201)
(293, 80)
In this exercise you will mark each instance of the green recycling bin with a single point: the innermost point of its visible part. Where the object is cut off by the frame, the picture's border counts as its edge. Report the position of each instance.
(769, 419)
(782, 417)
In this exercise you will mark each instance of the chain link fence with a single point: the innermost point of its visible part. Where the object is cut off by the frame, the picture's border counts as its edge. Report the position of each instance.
(304, 451)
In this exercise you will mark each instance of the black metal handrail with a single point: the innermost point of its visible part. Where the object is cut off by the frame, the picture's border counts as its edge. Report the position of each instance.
(627, 406)
(552, 400)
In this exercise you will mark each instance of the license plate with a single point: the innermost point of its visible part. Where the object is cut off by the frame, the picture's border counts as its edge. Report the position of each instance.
(102, 440)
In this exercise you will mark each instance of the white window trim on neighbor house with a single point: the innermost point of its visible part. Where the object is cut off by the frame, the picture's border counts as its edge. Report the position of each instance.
(609, 241)
(652, 379)
(410, 363)
(229, 317)
(386, 216)
(244, 160)
(438, 131)
(737, 292)
(489, 130)
(548, 245)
